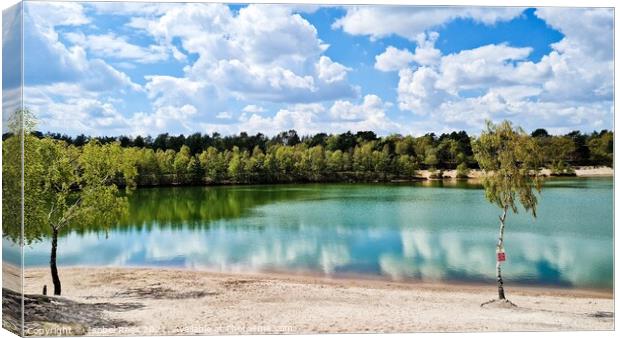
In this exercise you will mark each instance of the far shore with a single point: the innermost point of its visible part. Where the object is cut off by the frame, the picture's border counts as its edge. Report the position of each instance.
(421, 175)
(166, 301)
(584, 171)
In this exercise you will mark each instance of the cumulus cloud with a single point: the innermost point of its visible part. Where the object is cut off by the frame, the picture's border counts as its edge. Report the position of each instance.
(585, 53)
(499, 81)
(271, 56)
(393, 59)
(396, 59)
(223, 115)
(371, 107)
(77, 111)
(117, 47)
(48, 61)
(52, 14)
(164, 119)
(252, 108)
(301, 117)
(410, 21)
(263, 52)
(330, 71)
(67, 89)
(341, 116)
(591, 28)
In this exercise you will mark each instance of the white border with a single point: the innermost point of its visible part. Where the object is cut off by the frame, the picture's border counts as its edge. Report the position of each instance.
(514, 3)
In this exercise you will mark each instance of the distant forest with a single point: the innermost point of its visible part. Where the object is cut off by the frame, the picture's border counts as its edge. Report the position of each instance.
(362, 156)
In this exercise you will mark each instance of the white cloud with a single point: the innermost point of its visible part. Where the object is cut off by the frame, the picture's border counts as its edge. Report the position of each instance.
(301, 117)
(78, 111)
(249, 80)
(269, 55)
(370, 114)
(410, 21)
(569, 88)
(223, 115)
(62, 64)
(52, 14)
(591, 28)
(164, 119)
(165, 90)
(371, 107)
(426, 54)
(417, 90)
(486, 66)
(68, 91)
(252, 108)
(263, 52)
(117, 47)
(585, 53)
(393, 59)
(330, 71)
(130, 8)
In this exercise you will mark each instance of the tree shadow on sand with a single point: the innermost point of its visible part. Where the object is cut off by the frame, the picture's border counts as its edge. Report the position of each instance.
(47, 316)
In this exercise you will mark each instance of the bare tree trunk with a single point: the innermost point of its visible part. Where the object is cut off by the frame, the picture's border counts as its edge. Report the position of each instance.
(500, 245)
(54, 269)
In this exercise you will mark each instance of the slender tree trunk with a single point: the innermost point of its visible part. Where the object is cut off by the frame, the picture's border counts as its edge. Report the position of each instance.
(54, 269)
(500, 245)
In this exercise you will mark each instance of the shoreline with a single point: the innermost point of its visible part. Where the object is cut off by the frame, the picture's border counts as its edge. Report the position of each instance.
(422, 175)
(580, 171)
(182, 301)
(307, 276)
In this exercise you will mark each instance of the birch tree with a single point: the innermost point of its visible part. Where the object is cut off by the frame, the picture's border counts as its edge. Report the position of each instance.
(511, 161)
(64, 187)
(79, 187)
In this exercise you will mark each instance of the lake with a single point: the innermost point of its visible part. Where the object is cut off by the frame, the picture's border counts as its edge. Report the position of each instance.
(431, 231)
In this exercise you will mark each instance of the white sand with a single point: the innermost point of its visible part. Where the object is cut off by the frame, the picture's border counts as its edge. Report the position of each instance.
(579, 171)
(594, 171)
(200, 302)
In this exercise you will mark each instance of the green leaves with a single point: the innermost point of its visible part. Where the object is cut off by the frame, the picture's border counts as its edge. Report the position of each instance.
(512, 161)
(65, 187)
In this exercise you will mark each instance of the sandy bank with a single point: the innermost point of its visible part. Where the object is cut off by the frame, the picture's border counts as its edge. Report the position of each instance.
(579, 171)
(594, 171)
(170, 301)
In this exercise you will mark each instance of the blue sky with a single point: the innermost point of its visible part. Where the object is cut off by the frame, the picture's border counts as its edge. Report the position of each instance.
(147, 68)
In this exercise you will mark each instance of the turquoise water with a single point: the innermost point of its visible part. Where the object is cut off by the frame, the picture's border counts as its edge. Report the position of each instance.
(432, 231)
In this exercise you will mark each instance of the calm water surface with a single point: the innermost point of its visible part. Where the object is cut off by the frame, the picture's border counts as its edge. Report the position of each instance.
(429, 231)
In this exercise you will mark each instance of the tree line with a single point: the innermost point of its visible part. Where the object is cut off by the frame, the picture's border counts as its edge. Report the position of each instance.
(287, 157)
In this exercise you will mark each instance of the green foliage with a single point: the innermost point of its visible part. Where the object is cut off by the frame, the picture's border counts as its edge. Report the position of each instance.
(512, 162)
(66, 187)
(557, 152)
(602, 148)
(287, 157)
(445, 151)
(12, 187)
(462, 171)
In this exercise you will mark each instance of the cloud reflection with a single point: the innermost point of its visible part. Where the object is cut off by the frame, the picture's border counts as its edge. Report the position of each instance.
(336, 230)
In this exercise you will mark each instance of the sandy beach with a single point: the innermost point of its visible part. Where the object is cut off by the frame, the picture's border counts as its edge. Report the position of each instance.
(579, 172)
(594, 171)
(142, 301)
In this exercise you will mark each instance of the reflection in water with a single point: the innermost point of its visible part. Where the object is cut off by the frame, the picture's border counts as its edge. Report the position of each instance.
(196, 207)
(398, 232)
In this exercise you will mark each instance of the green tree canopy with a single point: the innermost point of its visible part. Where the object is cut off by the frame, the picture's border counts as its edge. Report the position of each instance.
(512, 162)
